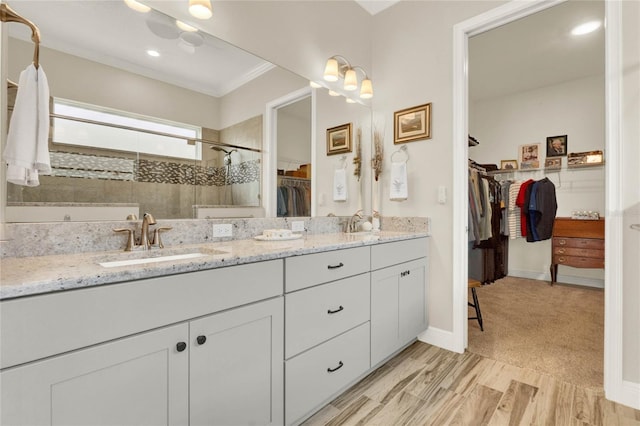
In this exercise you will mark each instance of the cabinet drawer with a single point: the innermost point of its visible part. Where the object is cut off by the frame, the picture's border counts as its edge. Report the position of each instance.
(578, 262)
(320, 313)
(580, 252)
(312, 269)
(316, 375)
(587, 243)
(383, 255)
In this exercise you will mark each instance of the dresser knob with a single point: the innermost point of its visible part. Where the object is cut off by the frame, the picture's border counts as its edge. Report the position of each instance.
(181, 346)
(562, 242)
(201, 340)
(561, 259)
(560, 251)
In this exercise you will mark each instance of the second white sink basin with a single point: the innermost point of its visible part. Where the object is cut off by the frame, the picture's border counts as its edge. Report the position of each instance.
(155, 256)
(129, 262)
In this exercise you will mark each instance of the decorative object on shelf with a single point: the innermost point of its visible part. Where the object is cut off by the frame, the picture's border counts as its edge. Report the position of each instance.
(338, 67)
(529, 156)
(357, 160)
(553, 163)
(412, 124)
(585, 159)
(378, 150)
(585, 215)
(339, 139)
(508, 164)
(557, 146)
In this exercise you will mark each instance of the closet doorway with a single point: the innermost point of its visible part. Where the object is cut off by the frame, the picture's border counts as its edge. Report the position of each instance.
(530, 81)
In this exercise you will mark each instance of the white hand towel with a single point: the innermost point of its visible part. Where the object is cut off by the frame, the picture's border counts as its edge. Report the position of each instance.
(398, 185)
(339, 185)
(27, 150)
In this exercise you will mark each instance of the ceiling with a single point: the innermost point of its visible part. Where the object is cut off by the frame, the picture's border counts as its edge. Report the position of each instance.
(533, 52)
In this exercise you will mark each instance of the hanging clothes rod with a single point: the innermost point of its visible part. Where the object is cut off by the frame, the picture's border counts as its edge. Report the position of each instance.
(9, 15)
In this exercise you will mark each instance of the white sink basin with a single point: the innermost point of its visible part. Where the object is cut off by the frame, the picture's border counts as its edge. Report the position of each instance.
(155, 256)
(129, 262)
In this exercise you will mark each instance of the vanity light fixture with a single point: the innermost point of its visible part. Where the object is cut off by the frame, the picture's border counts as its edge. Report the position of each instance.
(338, 67)
(137, 6)
(153, 53)
(185, 27)
(200, 9)
(586, 28)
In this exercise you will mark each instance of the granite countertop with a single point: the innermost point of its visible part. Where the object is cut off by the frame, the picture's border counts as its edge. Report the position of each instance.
(28, 276)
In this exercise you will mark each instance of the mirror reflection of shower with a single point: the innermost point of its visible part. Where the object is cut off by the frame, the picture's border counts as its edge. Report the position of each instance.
(228, 188)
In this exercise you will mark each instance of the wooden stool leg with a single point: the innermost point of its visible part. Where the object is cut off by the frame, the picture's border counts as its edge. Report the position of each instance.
(476, 305)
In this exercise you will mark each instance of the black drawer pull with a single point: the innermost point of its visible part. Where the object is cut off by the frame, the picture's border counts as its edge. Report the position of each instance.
(201, 340)
(405, 273)
(181, 346)
(339, 265)
(331, 370)
(341, 308)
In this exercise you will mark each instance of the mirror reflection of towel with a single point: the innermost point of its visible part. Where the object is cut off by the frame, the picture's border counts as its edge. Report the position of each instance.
(398, 186)
(339, 185)
(27, 151)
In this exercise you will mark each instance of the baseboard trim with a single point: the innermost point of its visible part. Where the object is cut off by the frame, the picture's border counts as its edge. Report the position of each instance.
(565, 279)
(440, 338)
(629, 394)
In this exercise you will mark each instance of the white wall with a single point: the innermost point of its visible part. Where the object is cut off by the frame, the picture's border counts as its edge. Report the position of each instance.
(575, 109)
(412, 56)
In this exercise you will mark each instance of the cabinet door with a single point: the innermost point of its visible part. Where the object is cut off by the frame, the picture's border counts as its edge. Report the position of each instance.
(140, 380)
(236, 374)
(398, 307)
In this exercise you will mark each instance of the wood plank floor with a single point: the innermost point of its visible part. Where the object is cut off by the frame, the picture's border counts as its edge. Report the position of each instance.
(426, 385)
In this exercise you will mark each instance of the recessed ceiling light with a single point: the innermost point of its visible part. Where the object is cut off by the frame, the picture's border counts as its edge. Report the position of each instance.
(185, 27)
(586, 28)
(137, 6)
(153, 53)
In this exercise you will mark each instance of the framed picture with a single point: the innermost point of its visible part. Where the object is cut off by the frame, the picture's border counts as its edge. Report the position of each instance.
(585, 159)
(553, 163)
(529, 156)
(557, 146)
(508, 164)
(412, 124)
(339, 139)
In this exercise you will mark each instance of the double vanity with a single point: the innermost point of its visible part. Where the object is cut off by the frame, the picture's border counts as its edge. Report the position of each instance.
(233, 332)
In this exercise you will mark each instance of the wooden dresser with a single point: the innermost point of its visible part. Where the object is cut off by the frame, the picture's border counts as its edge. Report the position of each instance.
(577, 243)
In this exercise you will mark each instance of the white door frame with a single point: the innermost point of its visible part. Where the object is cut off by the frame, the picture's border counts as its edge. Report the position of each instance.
(270, 148)
(615, 388)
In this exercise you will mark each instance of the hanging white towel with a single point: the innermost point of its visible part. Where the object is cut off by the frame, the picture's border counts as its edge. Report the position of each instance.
(27, 151)
(339, 185)
(398, 185)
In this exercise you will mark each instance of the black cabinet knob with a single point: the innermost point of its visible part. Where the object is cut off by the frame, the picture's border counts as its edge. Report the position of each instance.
(201, 339)
(181, 346)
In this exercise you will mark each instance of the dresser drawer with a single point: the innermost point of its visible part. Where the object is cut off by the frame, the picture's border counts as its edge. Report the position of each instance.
(580, 252)
(317, 314)
(586, 243)
(578, 262)
(312, 269)
(316, 375)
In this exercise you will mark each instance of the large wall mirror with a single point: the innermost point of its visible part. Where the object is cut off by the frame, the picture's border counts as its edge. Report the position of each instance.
(209, 93)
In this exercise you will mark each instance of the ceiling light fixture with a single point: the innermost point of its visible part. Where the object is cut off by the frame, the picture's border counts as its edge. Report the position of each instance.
(153, 53)
(137, 6)
(200, 9)
(185, 27)
(586, 28)
(338, 67)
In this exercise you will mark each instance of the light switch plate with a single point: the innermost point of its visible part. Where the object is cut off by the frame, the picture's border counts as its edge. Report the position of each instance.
(224, 230)
(297, 226)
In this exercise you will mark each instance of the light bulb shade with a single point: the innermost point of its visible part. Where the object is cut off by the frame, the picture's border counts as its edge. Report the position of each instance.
(333, 93)
(137, 6)
(331, 70)
(200, 9)
(185, 27)
(366, 89)
(315, 85)
(350, 101)
(350, 80)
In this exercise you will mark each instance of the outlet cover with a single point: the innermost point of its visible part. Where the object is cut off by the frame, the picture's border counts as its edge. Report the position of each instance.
(224, 230)
(297, 226)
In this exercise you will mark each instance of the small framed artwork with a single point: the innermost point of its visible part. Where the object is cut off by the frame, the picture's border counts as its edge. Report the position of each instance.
(339, 139)
(553, 163)
(529, 156)
(585, 159)
(412, 124)
(557, 146)
(508, 164)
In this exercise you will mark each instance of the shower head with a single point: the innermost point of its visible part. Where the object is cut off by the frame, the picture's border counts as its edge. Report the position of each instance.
(217, 148)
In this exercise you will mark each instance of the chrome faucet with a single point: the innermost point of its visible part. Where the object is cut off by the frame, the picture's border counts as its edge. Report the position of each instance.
(352, 224)
(147, 219)
(146, 241)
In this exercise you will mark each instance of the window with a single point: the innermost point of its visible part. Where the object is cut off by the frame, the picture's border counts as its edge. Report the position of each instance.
(108, 136)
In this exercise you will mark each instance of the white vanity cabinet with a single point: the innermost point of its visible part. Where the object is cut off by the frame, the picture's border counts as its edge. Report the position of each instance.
(154, 366)
(398, 295)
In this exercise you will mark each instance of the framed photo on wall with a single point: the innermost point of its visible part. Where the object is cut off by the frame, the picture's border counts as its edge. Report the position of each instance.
(339, 139)
(508, 164)
(557, 146)
(529, 156)
(553, 163)
(412, 124)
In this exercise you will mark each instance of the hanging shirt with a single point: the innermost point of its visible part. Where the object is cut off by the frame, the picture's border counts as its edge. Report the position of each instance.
(522, 203)
(546, 208)
(533, 214)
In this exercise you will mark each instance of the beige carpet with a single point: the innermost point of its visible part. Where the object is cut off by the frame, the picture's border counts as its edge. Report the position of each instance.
(556, 330)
